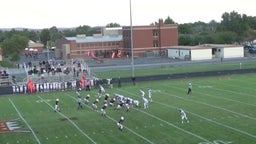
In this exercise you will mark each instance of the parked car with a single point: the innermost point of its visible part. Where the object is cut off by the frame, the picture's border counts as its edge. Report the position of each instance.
(252, 50)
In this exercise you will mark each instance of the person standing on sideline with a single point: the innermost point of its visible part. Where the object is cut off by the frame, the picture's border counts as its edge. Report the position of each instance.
(120, 123)
(183, 116)
(189, 88)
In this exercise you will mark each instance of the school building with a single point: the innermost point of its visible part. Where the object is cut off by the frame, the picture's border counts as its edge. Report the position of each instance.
(148, 40)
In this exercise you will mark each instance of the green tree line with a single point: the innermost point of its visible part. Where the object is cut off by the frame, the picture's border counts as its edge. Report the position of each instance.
(233, 28)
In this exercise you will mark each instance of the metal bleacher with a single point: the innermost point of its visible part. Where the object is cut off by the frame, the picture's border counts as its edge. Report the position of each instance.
(65, 73)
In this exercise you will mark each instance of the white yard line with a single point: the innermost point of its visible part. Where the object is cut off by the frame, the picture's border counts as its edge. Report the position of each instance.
(82, 132)
(144, 138)
(234, 92)
(221, 124)
(207, 119)
(204, 103)
(181, 129)
(170, 124)
(218, 97)
(38, 141)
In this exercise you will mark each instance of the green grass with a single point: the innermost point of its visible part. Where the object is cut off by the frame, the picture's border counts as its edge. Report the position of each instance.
(221, 110)
(7, 64)
(176, 69)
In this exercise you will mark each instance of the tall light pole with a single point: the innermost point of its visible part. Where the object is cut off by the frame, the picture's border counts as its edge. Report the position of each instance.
(132, 63)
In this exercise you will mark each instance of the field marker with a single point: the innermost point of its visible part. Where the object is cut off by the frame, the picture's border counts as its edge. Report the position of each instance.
(38, 141)
(116, 122)
(181, 129)
(70, 121)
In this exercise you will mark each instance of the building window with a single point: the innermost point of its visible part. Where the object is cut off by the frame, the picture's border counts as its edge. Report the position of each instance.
(155, 33)
(155, 44)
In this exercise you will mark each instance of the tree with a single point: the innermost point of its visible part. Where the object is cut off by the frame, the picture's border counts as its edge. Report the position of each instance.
(113, 25)
(13, 46)
(236, 23)
(185, 29)
(55, 34)
(168, 20)
(45, 36)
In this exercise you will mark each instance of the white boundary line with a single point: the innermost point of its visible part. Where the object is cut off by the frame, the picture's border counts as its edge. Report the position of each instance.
(232, 128)
(144, 138)
(217, 97)
(207, 119)
(38, 141)
(69, 121)
(188, 132)
(204, 103)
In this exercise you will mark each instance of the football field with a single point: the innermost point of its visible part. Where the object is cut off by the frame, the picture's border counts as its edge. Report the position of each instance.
(221, 110)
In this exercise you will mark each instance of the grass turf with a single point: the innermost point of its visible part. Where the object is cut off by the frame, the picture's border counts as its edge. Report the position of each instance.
(221, 110)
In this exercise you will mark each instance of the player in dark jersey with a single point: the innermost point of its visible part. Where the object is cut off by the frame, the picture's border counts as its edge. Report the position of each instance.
(94, 104)
(120, 123)
(87, 98)
(189, 88)
(103, 110)
(112, 102)
(57, 105)
(106, 98)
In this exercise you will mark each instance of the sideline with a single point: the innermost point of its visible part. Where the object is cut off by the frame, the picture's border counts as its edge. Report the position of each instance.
(38, 141)
(69, 120)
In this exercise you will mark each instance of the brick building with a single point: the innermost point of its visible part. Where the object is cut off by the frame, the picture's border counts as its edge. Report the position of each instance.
(81, 45)
(116, 42)
(148, 40)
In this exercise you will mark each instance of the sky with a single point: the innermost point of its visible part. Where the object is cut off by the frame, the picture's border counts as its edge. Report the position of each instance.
(73, 13)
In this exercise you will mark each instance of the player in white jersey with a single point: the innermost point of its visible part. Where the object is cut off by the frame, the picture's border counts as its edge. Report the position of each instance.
(14, 89)
(25, 89)
(101, 91)
(150, 95)
(21, 88)
(142, 93)
(145, 102)
(79, 102)
(136, 103)
(37, 88)
(183, 116)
